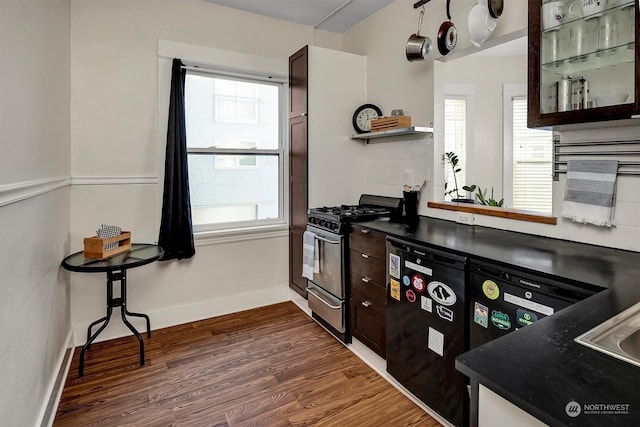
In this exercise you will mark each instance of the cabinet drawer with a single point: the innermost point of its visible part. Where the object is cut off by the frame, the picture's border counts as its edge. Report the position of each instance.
(369, 326)
(376, 296)
(368, 242)
(373, 269)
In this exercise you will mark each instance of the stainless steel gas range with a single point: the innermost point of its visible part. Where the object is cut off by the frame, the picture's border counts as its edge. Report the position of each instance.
(326, 257)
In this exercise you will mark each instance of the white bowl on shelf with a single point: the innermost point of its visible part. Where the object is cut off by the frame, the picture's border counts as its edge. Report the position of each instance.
(616, 99)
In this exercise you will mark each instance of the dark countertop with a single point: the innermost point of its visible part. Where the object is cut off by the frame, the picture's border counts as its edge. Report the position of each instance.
(541, 368)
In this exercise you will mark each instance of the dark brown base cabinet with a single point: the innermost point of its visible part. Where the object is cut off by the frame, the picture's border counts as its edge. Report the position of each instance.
(368, 297)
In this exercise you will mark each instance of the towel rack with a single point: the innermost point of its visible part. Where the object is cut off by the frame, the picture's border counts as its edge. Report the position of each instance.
(627, 152)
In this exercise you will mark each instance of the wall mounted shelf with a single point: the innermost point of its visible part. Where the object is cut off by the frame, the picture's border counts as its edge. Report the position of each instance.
(413, 130)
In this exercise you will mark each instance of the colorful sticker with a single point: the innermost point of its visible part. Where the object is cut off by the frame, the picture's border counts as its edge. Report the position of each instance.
(445, 313)
(411, 296)
(481, 315)
(394, 266)
(500, 320)
(442, 293)
(417, 281)
(426, 304)
(490, 289)
(525, 318)
(405, 280)
(395, 289)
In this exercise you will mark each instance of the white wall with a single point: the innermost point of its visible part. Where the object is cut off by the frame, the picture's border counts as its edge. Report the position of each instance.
(393, 82)
(336, 87)
(34, 204)
(119, 60)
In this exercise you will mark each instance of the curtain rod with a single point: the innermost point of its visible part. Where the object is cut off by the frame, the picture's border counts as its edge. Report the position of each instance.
(230, 72)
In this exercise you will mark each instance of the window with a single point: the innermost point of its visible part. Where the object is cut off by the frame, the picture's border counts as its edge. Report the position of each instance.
(458, 108)
(527, 157)
(235, 150)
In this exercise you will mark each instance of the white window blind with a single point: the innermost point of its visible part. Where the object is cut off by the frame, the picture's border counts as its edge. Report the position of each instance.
(532, 156)
(455, 139)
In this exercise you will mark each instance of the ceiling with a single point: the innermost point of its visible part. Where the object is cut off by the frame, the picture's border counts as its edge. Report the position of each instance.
(336, 16)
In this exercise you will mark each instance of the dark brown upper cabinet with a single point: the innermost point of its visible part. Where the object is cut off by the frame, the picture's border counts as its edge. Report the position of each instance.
(298, 83)
(582, 62)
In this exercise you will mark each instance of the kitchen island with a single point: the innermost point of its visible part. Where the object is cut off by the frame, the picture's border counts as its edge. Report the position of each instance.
(540, 368)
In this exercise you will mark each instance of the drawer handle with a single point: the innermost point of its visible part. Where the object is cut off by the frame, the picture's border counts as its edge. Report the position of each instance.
(365, 279)
(364, 255)
(365, 231)
(366, 304)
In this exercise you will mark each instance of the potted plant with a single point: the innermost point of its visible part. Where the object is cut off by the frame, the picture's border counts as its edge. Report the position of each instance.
(483, 200)
(454, 193)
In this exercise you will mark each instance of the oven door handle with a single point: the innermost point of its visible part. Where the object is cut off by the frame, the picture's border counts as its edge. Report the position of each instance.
(322, 298)
(322, 239)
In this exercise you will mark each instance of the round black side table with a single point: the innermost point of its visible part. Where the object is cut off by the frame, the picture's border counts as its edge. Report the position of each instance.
(116, 268)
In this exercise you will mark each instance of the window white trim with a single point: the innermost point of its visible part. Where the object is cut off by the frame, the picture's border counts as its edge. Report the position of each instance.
(251, 225)
(230, 235)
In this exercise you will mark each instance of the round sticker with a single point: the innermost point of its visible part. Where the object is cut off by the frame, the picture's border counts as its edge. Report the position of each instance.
(442, 293)
(406, 281)
(490, 289)
(411, 296)
(418, 282)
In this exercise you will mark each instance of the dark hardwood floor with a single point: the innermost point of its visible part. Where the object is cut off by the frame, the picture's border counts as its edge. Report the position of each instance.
(271, 366)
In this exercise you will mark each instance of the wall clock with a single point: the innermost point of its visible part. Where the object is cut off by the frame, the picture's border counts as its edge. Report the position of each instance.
(363, 115)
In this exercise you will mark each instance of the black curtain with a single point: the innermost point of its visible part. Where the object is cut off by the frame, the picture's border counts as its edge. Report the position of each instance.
(176, 230)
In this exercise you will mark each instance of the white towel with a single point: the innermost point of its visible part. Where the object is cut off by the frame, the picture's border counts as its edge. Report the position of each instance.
(310, 255)
(590, 194)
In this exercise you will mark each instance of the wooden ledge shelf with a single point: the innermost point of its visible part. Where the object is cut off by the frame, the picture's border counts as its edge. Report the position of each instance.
(493, 211)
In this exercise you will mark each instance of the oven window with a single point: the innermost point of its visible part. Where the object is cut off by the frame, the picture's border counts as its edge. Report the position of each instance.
(235, 150)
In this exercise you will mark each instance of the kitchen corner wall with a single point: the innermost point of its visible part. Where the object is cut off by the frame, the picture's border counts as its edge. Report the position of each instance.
(35, 327)
(119, 89)
(393, 82)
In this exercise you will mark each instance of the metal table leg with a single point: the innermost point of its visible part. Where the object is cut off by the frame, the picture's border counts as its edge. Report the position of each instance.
(113, 276)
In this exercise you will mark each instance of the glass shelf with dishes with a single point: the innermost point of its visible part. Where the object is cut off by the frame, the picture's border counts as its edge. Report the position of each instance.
(587, 54)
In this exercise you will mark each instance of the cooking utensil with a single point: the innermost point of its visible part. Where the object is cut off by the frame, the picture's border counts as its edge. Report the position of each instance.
(447, 34)
(481, 23)
(496, 7)
(418, 47)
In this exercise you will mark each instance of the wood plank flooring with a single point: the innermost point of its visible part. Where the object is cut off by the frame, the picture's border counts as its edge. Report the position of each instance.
(272, 366)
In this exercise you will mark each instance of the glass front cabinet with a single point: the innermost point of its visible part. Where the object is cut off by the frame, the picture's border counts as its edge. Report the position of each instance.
(582, 61)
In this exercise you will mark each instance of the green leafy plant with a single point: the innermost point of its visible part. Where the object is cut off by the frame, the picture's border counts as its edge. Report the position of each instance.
(481, 197)
(452, 158)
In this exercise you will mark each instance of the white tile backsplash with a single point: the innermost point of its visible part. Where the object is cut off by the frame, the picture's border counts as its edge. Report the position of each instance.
(390, 161)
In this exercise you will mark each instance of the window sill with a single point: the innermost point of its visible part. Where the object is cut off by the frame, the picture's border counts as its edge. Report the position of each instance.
(493, 211)
(214, 237)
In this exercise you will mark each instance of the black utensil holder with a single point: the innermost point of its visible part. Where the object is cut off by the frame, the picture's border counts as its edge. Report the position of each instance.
(410, 207)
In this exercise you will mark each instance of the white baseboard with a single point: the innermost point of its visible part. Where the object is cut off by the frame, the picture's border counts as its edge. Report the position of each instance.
(178, 315)
(58, 378)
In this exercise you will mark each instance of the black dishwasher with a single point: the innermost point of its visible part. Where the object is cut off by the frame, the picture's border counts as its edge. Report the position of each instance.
(504, 299)
(427, 324)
